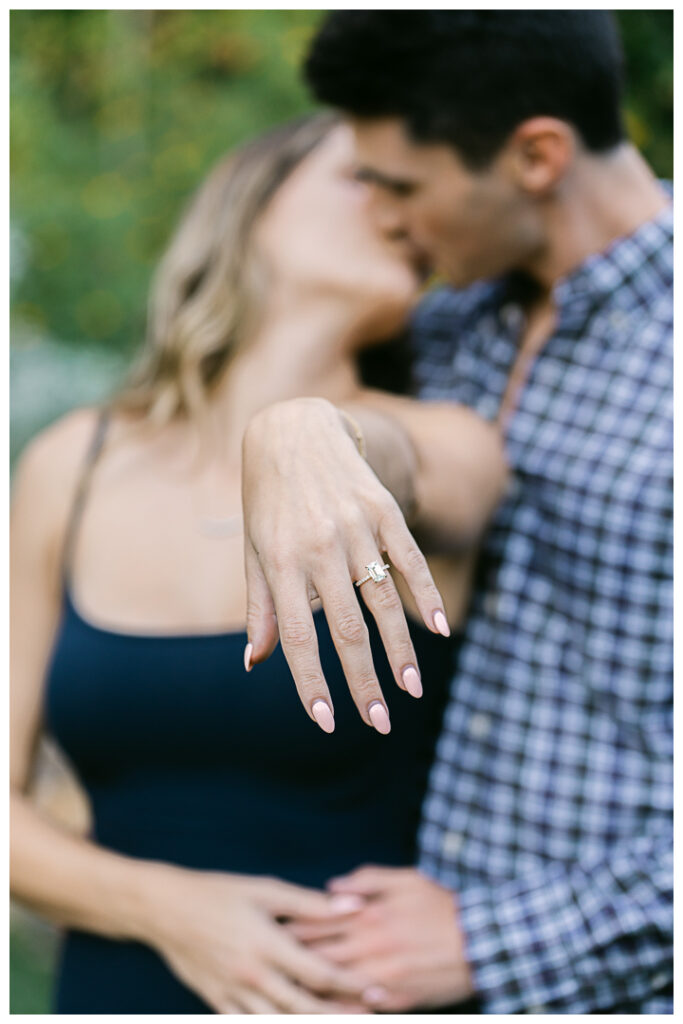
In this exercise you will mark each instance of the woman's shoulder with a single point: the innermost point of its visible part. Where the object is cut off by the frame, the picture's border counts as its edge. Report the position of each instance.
(54, 455)
(48, 471)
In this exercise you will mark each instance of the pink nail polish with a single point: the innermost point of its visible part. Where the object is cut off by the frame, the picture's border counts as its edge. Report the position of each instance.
(247, 657)
(441, 623)
(379, 718)
(411, 681)
(323, 716)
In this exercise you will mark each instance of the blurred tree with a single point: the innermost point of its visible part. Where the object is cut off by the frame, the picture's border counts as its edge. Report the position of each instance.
(648, 43)
(116, 115)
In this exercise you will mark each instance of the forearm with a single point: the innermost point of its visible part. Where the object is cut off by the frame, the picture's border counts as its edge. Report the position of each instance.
(443, 463)
(74, 882)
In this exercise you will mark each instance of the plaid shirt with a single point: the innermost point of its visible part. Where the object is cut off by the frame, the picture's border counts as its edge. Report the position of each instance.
(549, 810)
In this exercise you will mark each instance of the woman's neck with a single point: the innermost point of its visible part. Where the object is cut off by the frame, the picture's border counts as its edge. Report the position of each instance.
(289, 358)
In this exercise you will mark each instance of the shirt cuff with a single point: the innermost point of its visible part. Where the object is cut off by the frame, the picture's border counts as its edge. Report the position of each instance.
(517, 945)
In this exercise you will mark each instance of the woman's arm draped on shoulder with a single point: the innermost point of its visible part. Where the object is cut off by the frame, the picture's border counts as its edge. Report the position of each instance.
(444, 464)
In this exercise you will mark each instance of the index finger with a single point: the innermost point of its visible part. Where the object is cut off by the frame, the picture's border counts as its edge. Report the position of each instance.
(286, 899)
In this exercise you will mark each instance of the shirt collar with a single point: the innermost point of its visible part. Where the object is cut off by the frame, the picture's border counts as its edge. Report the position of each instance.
(633, 270)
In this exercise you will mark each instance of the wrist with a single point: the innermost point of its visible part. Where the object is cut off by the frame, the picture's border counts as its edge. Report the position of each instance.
(355, 431)
(388, 450)
(291, 411)
(154, 901)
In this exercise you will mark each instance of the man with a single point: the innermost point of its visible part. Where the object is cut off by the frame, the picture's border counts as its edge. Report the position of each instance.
(494, 145)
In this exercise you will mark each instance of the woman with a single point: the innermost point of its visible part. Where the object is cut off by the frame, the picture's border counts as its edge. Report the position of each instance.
(128, 606)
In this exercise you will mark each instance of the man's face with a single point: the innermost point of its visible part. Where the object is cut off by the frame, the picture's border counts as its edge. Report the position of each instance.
(469, 224)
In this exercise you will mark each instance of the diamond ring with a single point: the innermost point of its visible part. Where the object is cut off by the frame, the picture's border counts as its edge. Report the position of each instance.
(375, 573)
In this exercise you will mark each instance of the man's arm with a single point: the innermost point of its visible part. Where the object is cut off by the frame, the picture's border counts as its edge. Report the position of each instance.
(316, 514)
(587, 937)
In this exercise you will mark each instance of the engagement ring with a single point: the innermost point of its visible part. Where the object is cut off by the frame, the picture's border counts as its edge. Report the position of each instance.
(375, 573)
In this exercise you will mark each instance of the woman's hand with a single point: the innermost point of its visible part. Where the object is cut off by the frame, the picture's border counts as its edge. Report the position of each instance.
(315, 514)
(220, 935)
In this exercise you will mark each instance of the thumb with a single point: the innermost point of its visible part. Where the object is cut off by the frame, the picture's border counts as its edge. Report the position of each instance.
(262, 628)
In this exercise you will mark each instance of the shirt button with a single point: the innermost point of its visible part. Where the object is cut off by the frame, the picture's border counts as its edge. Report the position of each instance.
(480, 726)
(451, 843)
(661, 980)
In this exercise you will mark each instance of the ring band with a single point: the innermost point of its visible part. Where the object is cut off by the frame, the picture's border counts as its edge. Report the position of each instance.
(375, 572)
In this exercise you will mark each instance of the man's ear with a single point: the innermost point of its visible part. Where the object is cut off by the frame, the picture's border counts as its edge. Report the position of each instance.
(539, 152)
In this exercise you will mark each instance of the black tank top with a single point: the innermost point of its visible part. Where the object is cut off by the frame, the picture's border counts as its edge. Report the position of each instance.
(189, 760)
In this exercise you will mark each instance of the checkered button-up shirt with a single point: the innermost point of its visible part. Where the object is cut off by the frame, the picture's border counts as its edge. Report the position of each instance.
(549, 810)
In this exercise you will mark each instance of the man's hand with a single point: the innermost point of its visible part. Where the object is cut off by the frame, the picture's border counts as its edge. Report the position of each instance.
(406, 939)
(315, 514)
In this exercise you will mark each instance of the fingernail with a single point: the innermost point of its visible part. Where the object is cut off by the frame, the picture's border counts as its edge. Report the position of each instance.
(323, 716)
(247, 656)
(379, 718)
(375, 994)
(441, 624)
(346, 903)
(411, 681)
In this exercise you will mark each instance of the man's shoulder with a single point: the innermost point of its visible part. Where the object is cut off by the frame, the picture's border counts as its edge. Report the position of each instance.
(443, 327)
(443, 310)
(446, 342)
(647, 331)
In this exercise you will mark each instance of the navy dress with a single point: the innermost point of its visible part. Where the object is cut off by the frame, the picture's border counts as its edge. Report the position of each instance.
(162, 732)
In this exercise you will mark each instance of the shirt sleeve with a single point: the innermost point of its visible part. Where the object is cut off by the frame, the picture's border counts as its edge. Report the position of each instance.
(576, 938)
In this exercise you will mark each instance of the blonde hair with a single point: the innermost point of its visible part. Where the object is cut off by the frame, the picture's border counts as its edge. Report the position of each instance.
(208, 286)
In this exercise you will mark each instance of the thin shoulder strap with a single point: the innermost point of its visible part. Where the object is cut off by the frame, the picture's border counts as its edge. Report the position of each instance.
(75, 515)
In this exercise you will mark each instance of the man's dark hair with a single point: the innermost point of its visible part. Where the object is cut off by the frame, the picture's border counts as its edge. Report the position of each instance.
(468, 78)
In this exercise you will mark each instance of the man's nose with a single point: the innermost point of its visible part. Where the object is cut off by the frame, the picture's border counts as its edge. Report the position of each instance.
(387, 215)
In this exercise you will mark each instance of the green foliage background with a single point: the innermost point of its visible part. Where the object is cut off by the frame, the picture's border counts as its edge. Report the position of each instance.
(116, 115)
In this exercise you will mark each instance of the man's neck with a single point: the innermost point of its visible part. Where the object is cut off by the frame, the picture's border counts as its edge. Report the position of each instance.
(603, 198)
